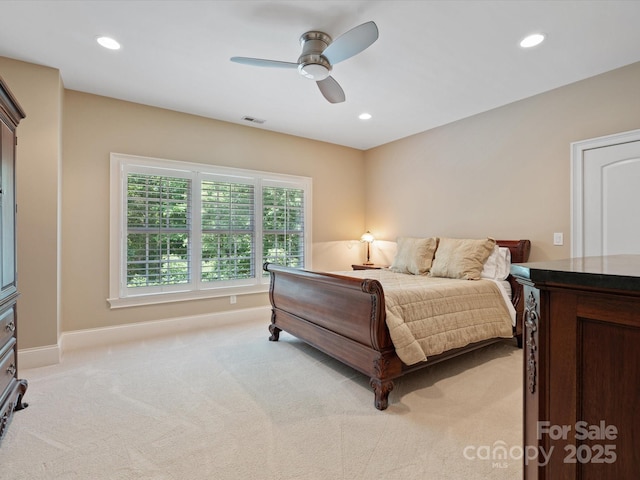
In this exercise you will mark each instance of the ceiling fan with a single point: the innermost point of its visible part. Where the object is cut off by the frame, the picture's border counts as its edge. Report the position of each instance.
(320, 53)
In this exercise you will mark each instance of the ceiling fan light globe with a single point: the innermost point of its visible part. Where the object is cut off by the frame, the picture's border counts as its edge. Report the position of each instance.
(314, 71)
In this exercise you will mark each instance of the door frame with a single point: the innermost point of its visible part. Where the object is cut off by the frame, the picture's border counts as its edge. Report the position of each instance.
(578, 150)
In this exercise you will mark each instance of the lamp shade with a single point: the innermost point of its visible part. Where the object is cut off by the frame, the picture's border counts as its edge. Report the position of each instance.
(367, 237)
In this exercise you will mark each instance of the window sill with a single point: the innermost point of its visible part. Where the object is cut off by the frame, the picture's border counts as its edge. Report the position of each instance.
(159, 298)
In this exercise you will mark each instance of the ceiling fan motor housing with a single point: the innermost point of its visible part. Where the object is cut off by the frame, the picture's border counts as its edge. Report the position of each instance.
(311, 63)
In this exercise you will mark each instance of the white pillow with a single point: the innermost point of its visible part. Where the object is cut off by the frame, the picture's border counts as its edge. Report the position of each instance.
(498, 265)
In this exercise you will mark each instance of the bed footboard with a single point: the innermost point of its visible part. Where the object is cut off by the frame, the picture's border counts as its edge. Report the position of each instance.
(341, 316)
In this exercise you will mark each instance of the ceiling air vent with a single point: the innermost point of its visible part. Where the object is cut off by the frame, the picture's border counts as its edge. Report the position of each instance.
(253, 120)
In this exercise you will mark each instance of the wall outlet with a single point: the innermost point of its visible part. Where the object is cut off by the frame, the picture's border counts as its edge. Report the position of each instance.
(232, 299)
(558, 239)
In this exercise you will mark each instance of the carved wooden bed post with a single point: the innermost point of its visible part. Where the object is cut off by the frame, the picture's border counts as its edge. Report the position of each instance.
(381, 389)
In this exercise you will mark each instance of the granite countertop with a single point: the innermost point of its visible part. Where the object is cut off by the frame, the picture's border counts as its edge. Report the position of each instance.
(620, 272)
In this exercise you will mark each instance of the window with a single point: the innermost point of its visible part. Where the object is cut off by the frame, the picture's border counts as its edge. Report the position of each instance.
(283, 225)
(182, 231)
(158, 219)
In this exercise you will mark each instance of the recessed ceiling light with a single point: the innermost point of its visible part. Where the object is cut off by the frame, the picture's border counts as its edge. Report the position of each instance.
(108, 42)
(364, 116)
(532, 40)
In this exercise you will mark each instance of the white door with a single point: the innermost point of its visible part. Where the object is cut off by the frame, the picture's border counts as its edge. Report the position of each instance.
(606, 199)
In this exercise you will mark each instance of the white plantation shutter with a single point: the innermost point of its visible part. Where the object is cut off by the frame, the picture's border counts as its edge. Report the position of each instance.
(283, 225)
(228, 231)
(158, 230)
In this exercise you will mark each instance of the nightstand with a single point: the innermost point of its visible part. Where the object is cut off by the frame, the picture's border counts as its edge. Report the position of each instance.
(368, 267)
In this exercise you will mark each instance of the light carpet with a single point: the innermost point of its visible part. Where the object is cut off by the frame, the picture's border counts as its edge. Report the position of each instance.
(225, 403)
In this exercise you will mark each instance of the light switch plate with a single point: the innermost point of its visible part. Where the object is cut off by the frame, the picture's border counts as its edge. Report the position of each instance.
(558, 239)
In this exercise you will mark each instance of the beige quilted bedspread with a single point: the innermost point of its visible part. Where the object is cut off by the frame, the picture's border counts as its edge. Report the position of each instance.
(427, 316)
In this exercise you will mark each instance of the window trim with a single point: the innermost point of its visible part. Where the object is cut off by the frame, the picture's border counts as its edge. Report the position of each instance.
(118, 297)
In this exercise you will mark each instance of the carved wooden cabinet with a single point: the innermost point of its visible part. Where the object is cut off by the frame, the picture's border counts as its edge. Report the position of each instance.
(581, 368)
(12, 389)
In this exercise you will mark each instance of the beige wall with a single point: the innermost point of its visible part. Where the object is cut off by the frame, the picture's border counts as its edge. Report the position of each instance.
(40, 92)
(96, 126)
(503, 173)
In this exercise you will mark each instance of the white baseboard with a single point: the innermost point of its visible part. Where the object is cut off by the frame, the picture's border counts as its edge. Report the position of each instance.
(96, 337)
(39, 356)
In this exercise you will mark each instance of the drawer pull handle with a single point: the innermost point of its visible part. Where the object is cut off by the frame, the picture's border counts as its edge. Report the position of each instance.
(11, 370)
(11, 327)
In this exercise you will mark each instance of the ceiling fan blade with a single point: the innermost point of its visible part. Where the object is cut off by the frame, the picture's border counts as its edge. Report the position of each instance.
(259, 62)
(351, 43)
(331, 90)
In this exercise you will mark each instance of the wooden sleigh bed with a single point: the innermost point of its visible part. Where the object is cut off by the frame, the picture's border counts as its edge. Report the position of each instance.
(345, 317)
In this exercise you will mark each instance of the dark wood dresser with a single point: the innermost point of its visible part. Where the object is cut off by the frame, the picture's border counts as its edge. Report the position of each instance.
(12, 389)
(581, 368)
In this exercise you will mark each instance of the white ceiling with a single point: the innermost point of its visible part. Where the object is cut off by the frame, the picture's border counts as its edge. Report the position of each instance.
(434, 62)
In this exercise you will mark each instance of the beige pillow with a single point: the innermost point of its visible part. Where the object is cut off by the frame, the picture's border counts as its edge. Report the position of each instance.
(414, 255)
(461, 258)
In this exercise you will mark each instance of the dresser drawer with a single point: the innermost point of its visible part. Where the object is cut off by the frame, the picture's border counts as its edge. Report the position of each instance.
(9, 400)
(7, 366)
(7, 325)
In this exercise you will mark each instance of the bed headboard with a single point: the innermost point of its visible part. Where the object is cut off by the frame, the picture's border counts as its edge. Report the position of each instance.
(520, 249)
